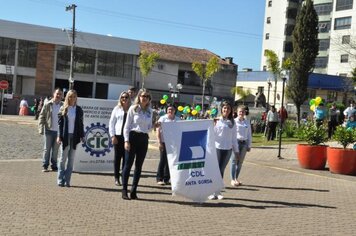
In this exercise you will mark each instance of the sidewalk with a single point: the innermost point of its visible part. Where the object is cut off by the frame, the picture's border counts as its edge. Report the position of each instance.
(277, 197)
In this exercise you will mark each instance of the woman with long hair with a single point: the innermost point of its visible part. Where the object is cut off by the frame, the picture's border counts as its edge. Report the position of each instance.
(244, 140)
(137, 127)
(225, 140)
(70, 133)
(116, 130)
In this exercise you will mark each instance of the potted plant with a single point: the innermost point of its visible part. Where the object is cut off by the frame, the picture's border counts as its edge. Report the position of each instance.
(343, 160)
(312, 155)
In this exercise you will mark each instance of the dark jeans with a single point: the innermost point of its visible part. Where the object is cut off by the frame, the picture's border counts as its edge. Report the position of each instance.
(331, 128)
(137, 153)
(271, 133)
(163, 169)
(223, 159)
(119, 154)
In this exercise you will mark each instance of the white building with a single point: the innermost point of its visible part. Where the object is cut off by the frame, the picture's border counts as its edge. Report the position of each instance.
(337, 33)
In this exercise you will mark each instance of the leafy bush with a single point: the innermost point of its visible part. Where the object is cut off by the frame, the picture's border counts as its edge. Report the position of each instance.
(312, 134)
(290, 128)
(344, 136)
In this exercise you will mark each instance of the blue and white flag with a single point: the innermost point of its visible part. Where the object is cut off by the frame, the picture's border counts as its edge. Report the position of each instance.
(192, 159)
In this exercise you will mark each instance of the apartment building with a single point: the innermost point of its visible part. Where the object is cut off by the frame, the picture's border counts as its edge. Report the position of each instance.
(337, 33)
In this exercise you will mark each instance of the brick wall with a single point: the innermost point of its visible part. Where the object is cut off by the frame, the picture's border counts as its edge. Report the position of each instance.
(44, 69)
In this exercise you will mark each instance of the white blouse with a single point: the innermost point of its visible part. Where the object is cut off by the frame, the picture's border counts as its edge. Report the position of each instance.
(71, 118)
(138, 120)
(243, 130)
(225, 135)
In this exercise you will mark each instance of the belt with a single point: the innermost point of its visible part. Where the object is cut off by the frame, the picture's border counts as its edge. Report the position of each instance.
(241, 141)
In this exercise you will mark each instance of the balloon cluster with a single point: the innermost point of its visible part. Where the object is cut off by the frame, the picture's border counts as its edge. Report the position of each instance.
(164, 99)
(190, 110)
(315, 102)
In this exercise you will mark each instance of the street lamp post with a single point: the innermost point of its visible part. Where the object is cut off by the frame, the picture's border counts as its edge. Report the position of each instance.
(175, 91)
(71, 75)
(268, 90)
(280, 120)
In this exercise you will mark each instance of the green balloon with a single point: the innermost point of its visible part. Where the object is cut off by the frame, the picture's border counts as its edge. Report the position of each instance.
(198, 107)
(165, 97)
(312, 102)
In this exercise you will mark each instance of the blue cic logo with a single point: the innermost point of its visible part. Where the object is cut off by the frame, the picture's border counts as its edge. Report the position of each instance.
(193, 149)
(97, 140)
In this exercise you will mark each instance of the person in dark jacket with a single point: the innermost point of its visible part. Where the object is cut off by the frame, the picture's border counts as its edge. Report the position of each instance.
(70, 133)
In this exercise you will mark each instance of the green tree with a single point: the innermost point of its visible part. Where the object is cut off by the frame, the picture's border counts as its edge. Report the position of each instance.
(243, 94)
(354, 76)
(305, 49)
(206, 72)
(147, 61)
(273, 65)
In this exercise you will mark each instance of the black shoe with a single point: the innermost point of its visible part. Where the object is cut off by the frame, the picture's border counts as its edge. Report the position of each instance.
(124, 195)
(68, 185)
(133, 196)
(54, 169)
(61, 185)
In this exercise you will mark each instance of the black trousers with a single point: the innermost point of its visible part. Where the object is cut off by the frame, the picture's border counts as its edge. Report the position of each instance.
(137, 154)
(163, 169)
(119, 152)
(271, 133)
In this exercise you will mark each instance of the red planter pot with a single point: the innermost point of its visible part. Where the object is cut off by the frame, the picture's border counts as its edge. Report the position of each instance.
(311, 156)
(342, 161)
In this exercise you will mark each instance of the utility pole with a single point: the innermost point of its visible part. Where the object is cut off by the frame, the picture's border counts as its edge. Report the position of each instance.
(71, 74)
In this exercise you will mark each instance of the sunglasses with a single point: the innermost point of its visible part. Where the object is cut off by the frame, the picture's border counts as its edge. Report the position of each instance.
(145, 96)
(124, 97)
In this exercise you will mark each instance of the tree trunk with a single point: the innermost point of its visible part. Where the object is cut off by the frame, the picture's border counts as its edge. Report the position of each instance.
(275, 91)
(202, 98)
(298, 115)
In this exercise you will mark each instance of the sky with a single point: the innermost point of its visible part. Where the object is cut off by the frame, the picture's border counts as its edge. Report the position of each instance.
(228, 28)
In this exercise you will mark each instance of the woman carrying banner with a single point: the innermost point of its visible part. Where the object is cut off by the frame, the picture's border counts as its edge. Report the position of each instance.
(225, 140)
(70, 133)
(116, 128)
(244, 140)
(137, 127)
(163, 175)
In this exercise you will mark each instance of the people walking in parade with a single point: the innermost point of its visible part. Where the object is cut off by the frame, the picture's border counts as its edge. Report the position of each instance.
(163, 175)
(137, 127)
(70, 133)
(319, 114)
(116, 130)
(23, 107)
(225, 140)
(48, 127)
(244, 140)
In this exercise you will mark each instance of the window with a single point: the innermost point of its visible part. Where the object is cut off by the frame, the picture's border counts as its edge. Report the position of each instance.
(269, 3)
(264, 68)
(84, 59)
(342, 23)
(188, 78)
(288, 47)
(268, 20)
(321, 62)
(267, 36)
(345, 39)
(324, 44)
(324, 26)
(260, 89)
(289, 30)
(7, 51)
(323, 9)
(292, 13)
(27, 54)
(115, 64)
(344, 5)
(344, 58)
(331, 96)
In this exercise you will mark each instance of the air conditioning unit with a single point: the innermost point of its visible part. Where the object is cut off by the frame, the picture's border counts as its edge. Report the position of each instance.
(323, 26)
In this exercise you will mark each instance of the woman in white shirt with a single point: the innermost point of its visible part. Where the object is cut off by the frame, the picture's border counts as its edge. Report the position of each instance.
(244, 140)
(116, 130)
(225, 140)
(163, 175)
(137, 127)
(70, 133)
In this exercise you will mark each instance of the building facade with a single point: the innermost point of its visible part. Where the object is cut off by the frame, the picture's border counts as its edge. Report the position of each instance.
(36, 59)
(337, 33)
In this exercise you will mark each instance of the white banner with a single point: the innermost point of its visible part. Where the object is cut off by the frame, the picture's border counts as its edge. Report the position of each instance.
(96, 154)
(192, 158)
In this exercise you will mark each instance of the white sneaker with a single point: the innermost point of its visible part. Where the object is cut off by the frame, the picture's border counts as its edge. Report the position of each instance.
(160, 183)
(220, 197)
(212, 197)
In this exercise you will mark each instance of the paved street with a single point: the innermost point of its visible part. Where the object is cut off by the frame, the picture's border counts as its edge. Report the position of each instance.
(277, 197)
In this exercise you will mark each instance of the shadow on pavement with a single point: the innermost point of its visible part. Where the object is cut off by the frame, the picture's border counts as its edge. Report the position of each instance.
(286, 188)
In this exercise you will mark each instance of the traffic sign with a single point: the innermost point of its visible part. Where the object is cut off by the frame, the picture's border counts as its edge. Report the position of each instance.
(4, 84)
